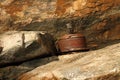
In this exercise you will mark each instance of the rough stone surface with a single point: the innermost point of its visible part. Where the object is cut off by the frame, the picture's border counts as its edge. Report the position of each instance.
(14, 71)
(15, 13)
(84, 7)
(98, 20)
(13, 39)
(102, 64)
(19, 46)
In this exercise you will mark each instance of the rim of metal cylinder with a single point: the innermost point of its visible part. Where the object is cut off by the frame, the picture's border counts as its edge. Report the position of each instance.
(67, 36)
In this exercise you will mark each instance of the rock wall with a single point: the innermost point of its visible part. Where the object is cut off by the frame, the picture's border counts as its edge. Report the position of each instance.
(98, 20)
(84, 7)
(15, 13)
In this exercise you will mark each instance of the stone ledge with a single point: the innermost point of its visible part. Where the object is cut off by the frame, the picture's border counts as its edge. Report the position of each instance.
(102, 64)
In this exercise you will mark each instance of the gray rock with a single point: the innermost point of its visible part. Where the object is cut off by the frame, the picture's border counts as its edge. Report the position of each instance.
(19, 46)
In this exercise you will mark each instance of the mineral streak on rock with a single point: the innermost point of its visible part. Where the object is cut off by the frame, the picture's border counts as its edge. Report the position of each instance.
(84, 7)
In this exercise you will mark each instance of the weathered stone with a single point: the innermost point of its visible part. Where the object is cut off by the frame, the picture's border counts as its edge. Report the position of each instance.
(19, 46)
(98, 20)
(82, 4)
(14, 71)
(102, 64)
(53, 15)
(24, 12)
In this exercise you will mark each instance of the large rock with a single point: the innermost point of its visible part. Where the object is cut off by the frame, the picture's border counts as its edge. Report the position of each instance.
(98, 20)
(103, 64)
(20, 46)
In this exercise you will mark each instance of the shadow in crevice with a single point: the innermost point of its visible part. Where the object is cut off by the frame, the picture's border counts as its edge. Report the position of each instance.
(34, 62)
(39, 61)
(16, 70)
(100, 45)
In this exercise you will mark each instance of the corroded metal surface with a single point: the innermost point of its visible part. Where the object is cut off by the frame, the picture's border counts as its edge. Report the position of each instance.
(72, 42)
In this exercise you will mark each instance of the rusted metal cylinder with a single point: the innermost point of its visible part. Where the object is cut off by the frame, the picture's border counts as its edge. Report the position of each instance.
(72, 42)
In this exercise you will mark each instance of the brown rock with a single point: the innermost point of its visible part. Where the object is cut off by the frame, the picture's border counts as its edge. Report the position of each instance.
(52, 16)
(99, 22)
(81, 66)
(91, 5)
(87, 11)
(104, 8)
(81, 4)
(92, 1)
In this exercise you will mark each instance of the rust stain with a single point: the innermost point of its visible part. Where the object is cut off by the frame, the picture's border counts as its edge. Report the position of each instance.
(62, 5)
(16, 6)
(90, 6)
